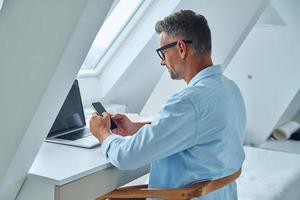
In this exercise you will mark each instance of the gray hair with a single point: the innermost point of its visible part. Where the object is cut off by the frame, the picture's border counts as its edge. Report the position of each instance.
(190, 26)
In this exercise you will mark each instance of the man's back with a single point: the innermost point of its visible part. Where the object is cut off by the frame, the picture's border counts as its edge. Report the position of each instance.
(209, 143)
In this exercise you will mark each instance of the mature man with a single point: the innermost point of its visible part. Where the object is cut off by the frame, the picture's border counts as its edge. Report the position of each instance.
(199, 132)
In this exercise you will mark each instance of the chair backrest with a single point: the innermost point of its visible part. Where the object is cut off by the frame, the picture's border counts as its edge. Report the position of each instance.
(205, 187)
(185, 193)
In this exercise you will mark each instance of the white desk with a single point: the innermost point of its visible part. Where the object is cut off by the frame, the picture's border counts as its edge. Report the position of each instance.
(62, 172)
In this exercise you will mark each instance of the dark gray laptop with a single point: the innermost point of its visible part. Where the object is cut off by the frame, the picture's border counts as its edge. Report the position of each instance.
(70, 127)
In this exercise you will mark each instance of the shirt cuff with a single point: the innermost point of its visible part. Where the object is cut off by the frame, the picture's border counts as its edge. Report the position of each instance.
(106, 143)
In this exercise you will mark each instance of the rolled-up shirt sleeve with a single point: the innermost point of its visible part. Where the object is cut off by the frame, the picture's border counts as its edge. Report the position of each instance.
(173, 130)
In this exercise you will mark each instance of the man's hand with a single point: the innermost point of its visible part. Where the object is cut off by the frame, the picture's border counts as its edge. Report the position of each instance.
(100, 125)
(125, 126)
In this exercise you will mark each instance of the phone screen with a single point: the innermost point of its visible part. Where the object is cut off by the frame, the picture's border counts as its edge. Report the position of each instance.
(100, 109)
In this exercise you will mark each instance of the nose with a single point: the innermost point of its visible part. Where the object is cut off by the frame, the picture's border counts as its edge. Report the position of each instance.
(162, 63)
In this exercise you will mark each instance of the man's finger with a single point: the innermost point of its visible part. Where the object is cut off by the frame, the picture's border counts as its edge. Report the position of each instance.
(105, 115)
(114, 131)
(94, 114)
(116, 116)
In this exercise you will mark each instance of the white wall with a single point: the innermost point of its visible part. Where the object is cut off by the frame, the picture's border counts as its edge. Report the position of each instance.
(42, 46)
(270, 56)
(291, 110)
(297, 117)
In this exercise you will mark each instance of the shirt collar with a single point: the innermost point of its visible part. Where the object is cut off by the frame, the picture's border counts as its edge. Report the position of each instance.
(209, 71)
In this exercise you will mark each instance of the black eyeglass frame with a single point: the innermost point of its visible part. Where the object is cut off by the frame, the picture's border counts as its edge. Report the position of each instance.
(167, 46)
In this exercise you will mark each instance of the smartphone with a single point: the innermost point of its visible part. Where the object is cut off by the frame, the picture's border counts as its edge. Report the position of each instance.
(100, 109)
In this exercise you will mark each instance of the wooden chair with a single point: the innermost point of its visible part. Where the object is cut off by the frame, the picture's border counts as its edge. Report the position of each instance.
(185, 193)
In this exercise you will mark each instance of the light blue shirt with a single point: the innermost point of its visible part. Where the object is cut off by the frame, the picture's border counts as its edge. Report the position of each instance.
(198, 135)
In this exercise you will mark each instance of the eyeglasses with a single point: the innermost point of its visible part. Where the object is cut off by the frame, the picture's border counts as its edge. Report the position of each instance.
(167, 46)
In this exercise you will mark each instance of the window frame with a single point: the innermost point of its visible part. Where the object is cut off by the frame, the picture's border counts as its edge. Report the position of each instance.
(117, 42)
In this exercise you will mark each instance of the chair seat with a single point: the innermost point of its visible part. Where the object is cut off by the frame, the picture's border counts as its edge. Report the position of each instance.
(187, 192)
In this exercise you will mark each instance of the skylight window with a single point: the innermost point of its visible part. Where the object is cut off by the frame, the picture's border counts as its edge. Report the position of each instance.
(1, 3)
(111, 28)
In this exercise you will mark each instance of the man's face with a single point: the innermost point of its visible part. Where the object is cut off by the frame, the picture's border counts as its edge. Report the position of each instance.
(172, 57)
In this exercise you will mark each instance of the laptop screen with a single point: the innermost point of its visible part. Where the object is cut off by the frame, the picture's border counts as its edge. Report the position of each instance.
(71, 115)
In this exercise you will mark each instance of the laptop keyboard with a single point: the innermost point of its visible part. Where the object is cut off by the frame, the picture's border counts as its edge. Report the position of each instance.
(75, 135)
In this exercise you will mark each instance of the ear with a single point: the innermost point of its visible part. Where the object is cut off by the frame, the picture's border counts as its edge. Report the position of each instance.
(182, 49)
